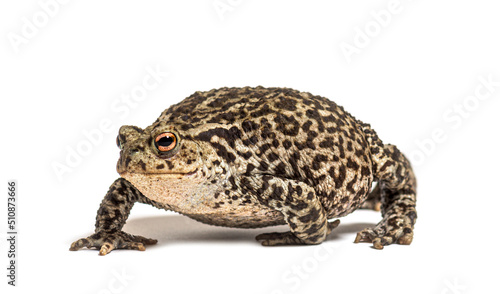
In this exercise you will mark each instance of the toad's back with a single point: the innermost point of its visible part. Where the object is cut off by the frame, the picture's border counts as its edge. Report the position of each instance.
(286, 134)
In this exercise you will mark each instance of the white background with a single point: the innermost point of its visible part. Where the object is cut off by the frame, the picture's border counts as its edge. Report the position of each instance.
(409, 77)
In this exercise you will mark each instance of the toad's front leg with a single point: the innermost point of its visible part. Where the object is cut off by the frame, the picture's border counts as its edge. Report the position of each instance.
(111, 216)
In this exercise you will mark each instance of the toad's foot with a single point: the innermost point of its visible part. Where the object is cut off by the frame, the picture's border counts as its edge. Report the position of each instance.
(106, 241)
(288, 238)
(397, 230)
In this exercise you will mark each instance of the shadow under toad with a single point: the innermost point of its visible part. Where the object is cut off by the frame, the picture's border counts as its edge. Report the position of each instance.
(181, 229)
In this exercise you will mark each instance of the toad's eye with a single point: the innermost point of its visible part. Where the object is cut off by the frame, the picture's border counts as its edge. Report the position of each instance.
(165, 142)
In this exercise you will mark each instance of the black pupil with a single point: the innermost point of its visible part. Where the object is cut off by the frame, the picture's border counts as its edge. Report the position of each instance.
(165, 141)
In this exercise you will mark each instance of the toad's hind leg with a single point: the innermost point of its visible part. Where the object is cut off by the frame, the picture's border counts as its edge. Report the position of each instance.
(398, 197)
(300, 207)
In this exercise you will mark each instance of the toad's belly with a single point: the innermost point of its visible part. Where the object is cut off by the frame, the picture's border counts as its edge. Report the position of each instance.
(191, 197)
(240, 218)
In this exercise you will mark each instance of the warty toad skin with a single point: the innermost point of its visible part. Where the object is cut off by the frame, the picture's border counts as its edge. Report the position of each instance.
(255, 157)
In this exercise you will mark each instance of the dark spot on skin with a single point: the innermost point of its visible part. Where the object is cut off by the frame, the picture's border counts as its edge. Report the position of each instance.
(232, 181)
(285, 104)
(311, 135)
(365, 171)
(349, 146)
(320, 158)
(307, 171)
(339, 180)
(329, 118)
(267, 133)
(310, 217)
(299, 206)
(250, 168)
(254, 140)
(229, 136)
(311, 231)
(351, 183)
(263, 188)
(306, 126)
(249, 126)
(332, 130)
(321, 178)
(160, 166)
(327, 143)
(264, 148)
(263, 111)
(352, 164)
(224, 153)
(287, 125)
(310, 145)
(142, 164)
(280, 169)
(277, 192)
(386, 165)
(341, 151)
(287, 144)
(263, 166)
(299, 145)
(272, 156)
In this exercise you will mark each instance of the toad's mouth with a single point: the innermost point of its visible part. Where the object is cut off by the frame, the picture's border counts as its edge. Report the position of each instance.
(167, 174)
